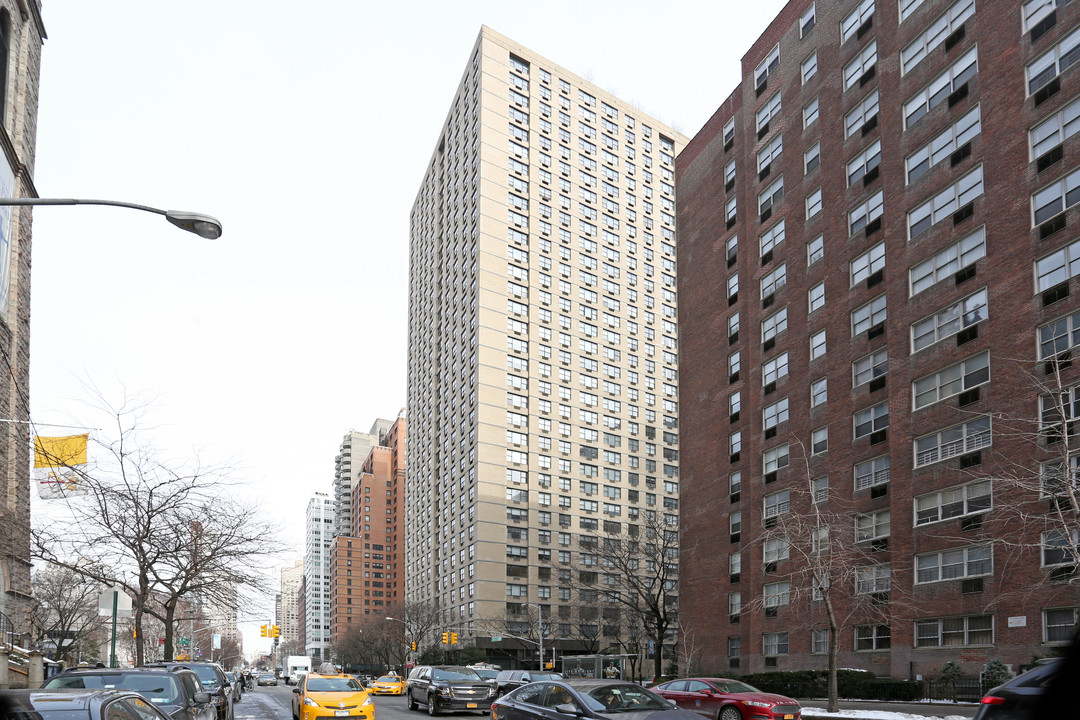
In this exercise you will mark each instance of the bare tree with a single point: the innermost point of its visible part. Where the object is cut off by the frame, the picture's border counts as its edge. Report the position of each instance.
(64, 613)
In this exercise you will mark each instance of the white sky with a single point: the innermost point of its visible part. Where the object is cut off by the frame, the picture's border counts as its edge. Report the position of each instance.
(306, 129)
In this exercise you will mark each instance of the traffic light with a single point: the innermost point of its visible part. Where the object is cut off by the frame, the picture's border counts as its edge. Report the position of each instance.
(262, 630)
(277, 631)
(446, 638)
(453, 638)
(414, 646)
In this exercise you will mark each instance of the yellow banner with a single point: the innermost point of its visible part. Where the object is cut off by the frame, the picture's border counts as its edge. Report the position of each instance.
(52, 452)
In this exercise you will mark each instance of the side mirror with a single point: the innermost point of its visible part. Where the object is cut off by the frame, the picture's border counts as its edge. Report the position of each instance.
(673, 703)
(201, 698)
(568, 709)
(296, 690)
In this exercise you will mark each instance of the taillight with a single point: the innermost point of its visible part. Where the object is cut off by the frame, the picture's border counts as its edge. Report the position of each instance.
(494, 712)
(992, 700)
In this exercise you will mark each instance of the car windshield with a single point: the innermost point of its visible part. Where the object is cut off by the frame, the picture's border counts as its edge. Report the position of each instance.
(545, 676)
(231, 677)
(158, 688)
(266, 677)
(734, 686)
(332, 684)
(389, 678)
(207, 675)
(624, 698)
(457, 673)
(486, 674)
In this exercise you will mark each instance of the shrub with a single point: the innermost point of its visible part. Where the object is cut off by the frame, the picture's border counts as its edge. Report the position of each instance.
(995, 673)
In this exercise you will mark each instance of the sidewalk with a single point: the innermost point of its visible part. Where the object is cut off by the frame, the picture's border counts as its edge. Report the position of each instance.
(867, 710)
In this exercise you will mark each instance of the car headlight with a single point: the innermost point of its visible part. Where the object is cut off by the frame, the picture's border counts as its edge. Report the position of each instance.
(756, 703)
(367, 701)
(309, 701)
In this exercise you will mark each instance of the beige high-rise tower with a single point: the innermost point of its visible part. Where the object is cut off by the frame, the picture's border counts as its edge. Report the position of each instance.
(542, 349)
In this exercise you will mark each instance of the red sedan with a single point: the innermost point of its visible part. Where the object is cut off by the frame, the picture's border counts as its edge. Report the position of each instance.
(720, 699)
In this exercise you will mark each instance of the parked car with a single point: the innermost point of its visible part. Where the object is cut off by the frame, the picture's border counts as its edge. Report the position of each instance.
(388, 685)
(1021, 697)
(236, 686)
(213, 680)
(447, 688)
(322, 696)
(508, 680)
(177, 693)
(722, 699)
(548, 699)
(73, 703)
(267, 679)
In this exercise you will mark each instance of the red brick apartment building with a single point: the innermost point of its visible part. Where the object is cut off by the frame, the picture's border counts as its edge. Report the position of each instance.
(366, 567)
(878, 233)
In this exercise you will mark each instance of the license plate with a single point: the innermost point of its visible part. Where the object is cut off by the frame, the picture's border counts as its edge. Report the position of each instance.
(471, 705)
(341, 713)
(789, 717)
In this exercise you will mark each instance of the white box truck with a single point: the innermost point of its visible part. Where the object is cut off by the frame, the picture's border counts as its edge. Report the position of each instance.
(296, 666)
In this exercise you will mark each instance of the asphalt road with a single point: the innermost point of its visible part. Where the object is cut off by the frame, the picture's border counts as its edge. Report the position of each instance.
(275, 703)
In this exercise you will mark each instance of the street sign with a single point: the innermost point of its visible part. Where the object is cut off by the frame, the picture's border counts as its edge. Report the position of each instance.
(496, 638)
(183, 641)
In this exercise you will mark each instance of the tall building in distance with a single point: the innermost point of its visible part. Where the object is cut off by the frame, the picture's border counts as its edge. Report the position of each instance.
(877, 233)
(289, 615)
(366, 576)
(354, 450)
(542, 346)
(21, 35)
(319, 534)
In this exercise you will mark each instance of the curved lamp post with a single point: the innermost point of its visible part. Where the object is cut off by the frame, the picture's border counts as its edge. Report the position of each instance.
(202, 225)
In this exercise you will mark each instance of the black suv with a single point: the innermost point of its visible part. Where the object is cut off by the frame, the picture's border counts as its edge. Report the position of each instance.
(513, 679)
(177, 693)
(213, 680)
(448, 688)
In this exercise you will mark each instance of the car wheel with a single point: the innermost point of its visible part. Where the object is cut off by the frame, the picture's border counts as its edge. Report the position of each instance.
(431, 709)
(409, 699)
(730, 713)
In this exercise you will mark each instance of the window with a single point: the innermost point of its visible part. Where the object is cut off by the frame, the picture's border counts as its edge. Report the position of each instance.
(733, 287)
(733, 325)
(815, 250)
(774, 325)
(817, 345)
(777, 504)
(773, 237)
(813, 203)
(735, 443)
(729, 133)
(819, 392)
(772, 195)
(774, 644)
(954, 564)
(1055, 198)
(853, 20)
(947, 262)
(866, 213)
(951, 381)
(869, 315)
(869, 367)
(809, 68)
(1060, 547)
(953, 441)
(949, 321)
(734, 363)
(776, 594)
(871, 420)
(947, 202)
(863, 117)
(872, 526)
(734, 604)
(873, 579)
(819, 641)
(774, 414)
(768, 112)
(954, 502)
(868, 263)
(811, 158)
(864, 163)
(872, 472)
(957, 631)
(1034, 11)
(919, 48)
(775, 458)
(810, 113)
(767, 66)
(861, 67)
(1059, 335)
(820, 488)
(1059, 625)
(872, 637)
(729, 212)
(774, 369)
(1053, 131)
(806, 22)
(1054, 62)
(941, 87)
(775, 549)
(817, 297)
(943, 145)
(770, 152)
(773, 281)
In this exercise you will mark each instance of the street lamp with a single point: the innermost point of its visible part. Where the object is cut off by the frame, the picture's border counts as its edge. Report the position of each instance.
(202, 225)
(408, 652)
(539, 629)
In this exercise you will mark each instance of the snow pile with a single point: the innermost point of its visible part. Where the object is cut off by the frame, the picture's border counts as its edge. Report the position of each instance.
(815, 712)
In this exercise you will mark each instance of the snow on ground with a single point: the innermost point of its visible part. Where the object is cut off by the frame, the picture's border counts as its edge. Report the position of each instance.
(813, 712)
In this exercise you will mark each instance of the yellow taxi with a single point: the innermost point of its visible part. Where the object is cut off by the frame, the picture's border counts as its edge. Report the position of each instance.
(388, 685)
(331, 696)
